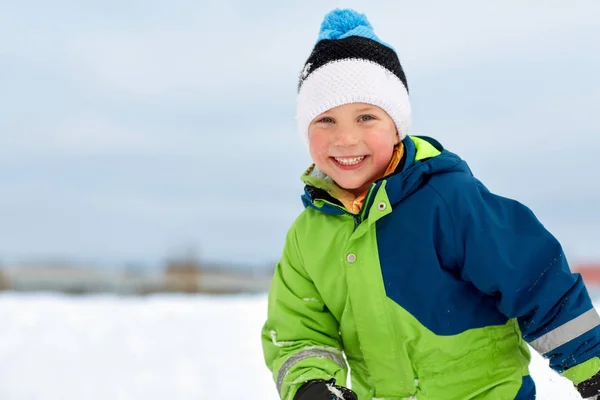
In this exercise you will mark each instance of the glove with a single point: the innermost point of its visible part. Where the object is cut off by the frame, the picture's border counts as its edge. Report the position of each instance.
(590, 389)
(324, 390)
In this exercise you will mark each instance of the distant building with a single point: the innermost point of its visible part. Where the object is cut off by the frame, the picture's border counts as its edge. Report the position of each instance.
(4, 282)
(215, 281)
(178, 276)
(590, 273)
(183, 276)
(186, 274)
(73, 280)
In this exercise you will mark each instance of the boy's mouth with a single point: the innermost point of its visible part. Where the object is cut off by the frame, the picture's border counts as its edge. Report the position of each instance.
(349, 162)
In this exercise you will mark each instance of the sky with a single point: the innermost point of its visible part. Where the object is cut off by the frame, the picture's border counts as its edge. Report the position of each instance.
(132, 132)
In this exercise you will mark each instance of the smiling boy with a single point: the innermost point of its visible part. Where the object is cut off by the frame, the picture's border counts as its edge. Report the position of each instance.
(403, 266)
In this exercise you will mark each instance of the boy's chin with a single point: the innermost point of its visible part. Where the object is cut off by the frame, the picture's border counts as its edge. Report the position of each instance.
(350, 187)
(356, 188)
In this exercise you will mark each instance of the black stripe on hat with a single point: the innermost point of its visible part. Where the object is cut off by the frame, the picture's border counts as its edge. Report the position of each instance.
(357, 47)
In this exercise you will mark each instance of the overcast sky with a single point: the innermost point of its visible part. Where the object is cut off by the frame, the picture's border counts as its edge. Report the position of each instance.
(133, 130)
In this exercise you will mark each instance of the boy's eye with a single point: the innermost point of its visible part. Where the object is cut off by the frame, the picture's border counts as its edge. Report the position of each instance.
(365, 118)
(326, 120)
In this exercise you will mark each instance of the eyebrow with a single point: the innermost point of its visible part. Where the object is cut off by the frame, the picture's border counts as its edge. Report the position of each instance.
(369, 108)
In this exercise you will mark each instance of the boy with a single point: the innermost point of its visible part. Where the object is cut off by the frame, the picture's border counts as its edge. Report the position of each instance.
(403, 266)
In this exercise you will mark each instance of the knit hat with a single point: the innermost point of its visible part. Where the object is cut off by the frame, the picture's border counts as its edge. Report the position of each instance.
(350, 64)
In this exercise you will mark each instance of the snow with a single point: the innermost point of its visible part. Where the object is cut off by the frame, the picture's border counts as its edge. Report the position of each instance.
(158, 347)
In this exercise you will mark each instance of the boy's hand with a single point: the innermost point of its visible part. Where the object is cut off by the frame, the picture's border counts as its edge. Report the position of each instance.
(590, 389)
(324, 390)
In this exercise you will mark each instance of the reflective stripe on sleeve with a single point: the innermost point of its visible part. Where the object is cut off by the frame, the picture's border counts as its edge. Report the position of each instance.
(302, 355)
(566, 332)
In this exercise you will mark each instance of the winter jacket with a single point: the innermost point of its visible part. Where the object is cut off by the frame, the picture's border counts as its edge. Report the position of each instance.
(432, 292)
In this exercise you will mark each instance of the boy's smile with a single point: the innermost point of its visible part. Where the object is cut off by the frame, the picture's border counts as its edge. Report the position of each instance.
(349, 162)
(353, 144)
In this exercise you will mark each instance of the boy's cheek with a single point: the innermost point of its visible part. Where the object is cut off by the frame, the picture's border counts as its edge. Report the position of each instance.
(317, 145)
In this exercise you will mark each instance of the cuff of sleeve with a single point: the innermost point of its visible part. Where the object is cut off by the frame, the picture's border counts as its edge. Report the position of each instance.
(289, 390)
(590, 388)
(293, 389)
(583, 371)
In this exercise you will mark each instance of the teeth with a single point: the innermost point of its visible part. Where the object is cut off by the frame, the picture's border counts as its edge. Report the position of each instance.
(349, 161)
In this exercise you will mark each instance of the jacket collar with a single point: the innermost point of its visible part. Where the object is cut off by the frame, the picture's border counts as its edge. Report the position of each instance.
(317, 179)
(423, 157)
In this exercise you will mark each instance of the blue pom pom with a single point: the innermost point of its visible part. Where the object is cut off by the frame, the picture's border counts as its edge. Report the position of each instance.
(339, 22)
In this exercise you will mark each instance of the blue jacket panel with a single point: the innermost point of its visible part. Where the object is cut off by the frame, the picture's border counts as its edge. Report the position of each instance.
(471, 258)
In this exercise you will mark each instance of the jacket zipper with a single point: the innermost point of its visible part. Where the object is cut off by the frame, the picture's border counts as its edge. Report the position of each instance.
(358, 219)
(360, 216)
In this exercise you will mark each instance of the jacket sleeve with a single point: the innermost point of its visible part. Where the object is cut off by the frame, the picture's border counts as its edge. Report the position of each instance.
(300, 338)
(507, 253)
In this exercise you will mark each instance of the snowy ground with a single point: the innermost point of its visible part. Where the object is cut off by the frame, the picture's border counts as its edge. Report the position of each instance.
(160, 347)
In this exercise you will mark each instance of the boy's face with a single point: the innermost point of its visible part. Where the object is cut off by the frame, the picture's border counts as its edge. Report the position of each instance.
(353, 144)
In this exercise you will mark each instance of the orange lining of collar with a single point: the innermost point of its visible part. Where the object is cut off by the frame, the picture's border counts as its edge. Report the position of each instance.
(355, 203)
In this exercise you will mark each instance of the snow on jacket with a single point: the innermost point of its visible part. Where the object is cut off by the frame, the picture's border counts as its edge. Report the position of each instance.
(432, 292)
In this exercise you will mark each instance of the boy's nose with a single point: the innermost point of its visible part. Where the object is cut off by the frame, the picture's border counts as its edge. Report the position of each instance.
(346, 138)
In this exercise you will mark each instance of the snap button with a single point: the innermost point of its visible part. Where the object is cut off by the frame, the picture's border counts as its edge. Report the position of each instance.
(351, 258)
(381, 206)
